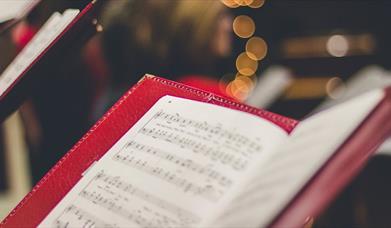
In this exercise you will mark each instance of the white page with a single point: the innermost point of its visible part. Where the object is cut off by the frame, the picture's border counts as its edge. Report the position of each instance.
(270, 86)
(369, 78)
(44, 37)
(308, 147)
(385, 148)
(176, 167)
(11, 9)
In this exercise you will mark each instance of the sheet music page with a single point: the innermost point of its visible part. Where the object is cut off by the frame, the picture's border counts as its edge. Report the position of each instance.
(44, 37)
(177, 167)
(308, 147)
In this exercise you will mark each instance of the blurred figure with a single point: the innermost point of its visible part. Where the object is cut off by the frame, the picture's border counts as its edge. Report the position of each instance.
(200, 34)
(180, 40)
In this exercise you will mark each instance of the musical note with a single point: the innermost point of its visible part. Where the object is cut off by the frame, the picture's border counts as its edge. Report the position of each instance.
(115, 195)
(174, 178)
(133, 147)
(210, 129)
(79, 218)
(235, 161)
(173, 168)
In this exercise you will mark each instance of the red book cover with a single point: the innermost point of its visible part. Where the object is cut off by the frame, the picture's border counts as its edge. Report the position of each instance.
(310, 201)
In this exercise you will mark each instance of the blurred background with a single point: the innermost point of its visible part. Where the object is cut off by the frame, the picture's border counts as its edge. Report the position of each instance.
(292, 57)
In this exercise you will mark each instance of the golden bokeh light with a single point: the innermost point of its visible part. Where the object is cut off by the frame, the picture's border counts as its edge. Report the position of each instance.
(240, 88)
(257, 4)
(225, 80)
(245, 65)
(244, 2)
(307, 88)
(230, 3)
(337, 45)
(256, 48)
(335, 88)
(244, 26)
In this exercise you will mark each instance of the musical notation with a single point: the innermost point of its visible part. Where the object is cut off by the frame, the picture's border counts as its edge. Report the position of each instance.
(211, 130)
(113, 194)
(119, 197)
(208, 191)
(191, 138)
(133, 147)
(129, 188)
(115, 206)
(174, 168)
(79, 218)
(237, 162)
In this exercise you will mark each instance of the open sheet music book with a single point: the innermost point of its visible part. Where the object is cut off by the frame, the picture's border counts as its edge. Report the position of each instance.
(179, 157)
(190, 164)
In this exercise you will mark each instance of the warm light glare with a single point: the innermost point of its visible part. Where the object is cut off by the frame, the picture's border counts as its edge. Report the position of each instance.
(244, 2)
(337, 46)
(243, 26)
(257, 4)
(224, 82)
(99, 28)
(307, 88)
(335, 88)
(245, 65)
(256, 48)
(230, 3)
(241, 87)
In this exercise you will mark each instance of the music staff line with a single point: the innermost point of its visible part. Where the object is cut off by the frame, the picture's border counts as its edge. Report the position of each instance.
(89, 220)
(109, 182)
(110, 205)
(129, 188)
(188, 164)
(212, 129)
(208, 192)
(228, 159)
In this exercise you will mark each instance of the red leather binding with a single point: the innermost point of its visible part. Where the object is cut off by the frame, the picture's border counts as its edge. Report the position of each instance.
(72, 38)
(116, 122)
(340, 169)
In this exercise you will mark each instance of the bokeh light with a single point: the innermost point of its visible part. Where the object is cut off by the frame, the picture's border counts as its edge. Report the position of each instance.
(99, 28)
(230, 3)
(245, 65)
(256, 48)
(335, 88)
(337, 45)
(225, 80)
(244, 26)
(241, 87)
(244, 2)
(257, 4)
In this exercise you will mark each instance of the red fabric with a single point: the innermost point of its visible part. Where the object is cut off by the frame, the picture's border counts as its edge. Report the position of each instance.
(22, 34)
(103, 135)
